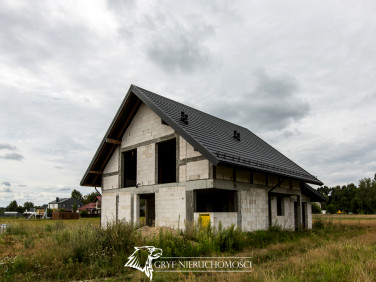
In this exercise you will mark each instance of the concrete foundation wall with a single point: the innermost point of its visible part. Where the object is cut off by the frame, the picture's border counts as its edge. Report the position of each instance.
(226, 218)
(170, 207)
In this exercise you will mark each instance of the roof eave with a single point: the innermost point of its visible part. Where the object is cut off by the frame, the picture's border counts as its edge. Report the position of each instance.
(82, 182)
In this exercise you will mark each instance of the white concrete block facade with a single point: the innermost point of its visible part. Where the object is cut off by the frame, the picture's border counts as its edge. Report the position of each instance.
(171, 208)
(254, 209)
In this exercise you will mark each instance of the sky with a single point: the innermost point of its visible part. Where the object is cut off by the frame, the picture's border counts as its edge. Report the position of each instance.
(299, 74)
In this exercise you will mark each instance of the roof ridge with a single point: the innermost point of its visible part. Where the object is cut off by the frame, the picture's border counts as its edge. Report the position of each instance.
(210, 115)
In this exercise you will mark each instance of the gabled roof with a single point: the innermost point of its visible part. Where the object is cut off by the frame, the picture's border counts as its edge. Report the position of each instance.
(60, 201)
(211, 136)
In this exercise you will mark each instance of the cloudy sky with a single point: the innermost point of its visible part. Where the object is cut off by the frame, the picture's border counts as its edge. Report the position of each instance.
(300, 74)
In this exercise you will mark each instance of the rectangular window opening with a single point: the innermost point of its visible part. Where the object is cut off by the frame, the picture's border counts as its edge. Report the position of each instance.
(215, 200)
(130, 168)
(279, 206)
(167, 161)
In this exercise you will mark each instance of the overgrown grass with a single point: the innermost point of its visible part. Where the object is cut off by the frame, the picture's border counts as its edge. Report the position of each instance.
(66, 251)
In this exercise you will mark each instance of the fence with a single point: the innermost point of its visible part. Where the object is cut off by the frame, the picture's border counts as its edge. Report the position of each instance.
(65, 215)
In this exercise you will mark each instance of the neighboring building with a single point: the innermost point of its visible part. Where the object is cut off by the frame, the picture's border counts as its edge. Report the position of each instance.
(184, 162)
(64, 203)
(94, 207)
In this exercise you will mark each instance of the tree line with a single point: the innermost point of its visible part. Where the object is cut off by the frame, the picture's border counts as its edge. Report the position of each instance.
(359, 199)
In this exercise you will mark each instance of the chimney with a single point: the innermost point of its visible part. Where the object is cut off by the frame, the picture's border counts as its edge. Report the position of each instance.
(236, 135)
(184, 117)
(57, 199)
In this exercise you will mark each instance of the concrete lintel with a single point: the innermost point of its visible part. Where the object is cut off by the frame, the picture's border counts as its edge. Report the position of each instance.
(152, 141)
(228, 184)
(189, 160)
(110, 174)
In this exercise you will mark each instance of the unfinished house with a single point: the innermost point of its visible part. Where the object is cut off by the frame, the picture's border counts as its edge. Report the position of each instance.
(183, 164)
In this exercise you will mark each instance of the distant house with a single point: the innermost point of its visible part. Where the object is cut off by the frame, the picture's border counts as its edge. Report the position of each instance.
(64, 203)
(94, 207)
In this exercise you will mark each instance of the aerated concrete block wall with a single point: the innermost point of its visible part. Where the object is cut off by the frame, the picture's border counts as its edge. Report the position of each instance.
(287, 220)
(108, 212)
(113, 163)
(146, 164)
(309, 211)
(146, 125)
(170, 207)
(254, 209)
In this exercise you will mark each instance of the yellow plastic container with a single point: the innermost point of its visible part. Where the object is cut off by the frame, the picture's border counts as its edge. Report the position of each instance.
(204, 219)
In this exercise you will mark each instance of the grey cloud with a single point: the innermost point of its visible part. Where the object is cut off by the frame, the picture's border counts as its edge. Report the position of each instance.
(273, 104)
(6, 183)
(6, 190)
(8, 147)
(65, 189)
(27, 36)
(178, 51)
(22, 185)
(177, 45)
(118, 6)
(12, 156)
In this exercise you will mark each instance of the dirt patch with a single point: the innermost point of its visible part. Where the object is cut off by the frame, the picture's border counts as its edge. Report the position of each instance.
(149, 232)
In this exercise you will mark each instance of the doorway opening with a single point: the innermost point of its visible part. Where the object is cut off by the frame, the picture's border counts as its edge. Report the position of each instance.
(147, 209)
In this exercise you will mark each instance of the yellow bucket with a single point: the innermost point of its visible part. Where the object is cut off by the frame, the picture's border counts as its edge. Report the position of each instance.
(204, 219)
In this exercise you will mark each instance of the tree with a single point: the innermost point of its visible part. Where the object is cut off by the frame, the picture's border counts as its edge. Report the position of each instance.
(331, 209)
(89, 198)
(77, 195)
(20, 209)
(74, 207)
(28, 205)
(12, 206)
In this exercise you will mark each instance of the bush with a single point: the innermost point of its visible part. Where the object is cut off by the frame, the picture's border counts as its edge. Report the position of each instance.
(83, 213)
(316, 209)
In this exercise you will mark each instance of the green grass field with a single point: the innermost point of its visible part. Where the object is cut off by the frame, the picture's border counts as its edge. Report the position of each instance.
(340, 247)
